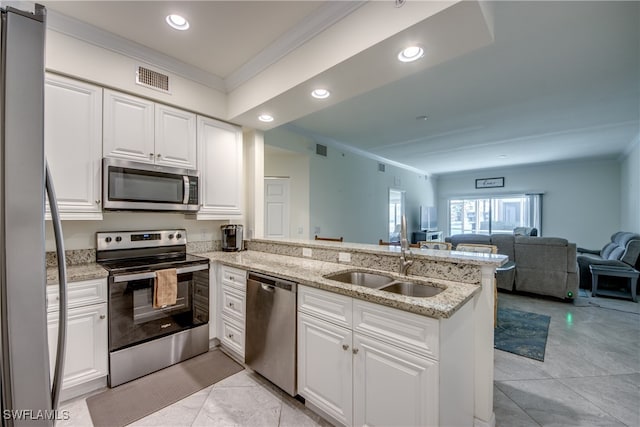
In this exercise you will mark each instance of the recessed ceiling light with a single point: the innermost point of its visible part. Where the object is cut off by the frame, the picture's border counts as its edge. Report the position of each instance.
(411, 54)
(502, 156)
(320, 93)
(423, 117)
(265, 118)
(178, 22)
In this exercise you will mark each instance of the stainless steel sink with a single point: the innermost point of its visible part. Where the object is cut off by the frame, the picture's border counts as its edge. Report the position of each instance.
(370, 280)
(385, 283)
(412, 289)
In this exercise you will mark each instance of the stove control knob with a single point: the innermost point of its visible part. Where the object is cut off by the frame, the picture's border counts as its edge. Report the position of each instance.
(170, 236)
(179, 236)
(108, 239)
(118, 239)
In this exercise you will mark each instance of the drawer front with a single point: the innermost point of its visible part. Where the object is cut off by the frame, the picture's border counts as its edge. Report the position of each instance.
(233, 303)
(326, 305)
(234, 277)
(412, 332)
(79, 294)
(232, 336)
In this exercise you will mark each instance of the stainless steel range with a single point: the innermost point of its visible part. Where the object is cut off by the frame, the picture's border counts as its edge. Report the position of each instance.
(145, 337)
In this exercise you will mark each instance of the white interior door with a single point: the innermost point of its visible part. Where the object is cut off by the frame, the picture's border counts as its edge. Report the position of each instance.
(276, 207)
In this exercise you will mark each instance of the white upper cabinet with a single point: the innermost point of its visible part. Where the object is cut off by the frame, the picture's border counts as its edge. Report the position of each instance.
(128, 127)
(175, 137)
(220, 167)
(141, 130)
(73, 145)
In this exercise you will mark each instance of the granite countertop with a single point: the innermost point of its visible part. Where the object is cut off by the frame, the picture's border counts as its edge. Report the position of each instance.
(310, 272)
(77, 273)
(474, 258)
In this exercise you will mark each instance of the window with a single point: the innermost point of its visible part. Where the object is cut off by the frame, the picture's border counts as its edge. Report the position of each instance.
(396, 210)
(495, 214)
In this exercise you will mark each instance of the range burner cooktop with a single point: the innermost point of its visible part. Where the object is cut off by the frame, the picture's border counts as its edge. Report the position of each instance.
(152, 263)
(132, 251)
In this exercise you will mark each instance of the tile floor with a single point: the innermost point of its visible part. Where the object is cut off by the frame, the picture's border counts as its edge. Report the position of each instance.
(590, 377)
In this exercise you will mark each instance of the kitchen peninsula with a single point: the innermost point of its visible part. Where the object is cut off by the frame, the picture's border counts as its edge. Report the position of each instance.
(453, 329)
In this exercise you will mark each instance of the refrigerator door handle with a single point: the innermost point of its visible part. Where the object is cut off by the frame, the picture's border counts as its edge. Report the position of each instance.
(62, 279)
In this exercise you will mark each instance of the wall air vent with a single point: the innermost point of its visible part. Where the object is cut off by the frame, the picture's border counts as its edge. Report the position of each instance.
(321, 150)
(381, 167)
(152, 79)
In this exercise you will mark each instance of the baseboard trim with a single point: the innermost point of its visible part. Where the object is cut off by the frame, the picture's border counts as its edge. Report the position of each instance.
(491, 423)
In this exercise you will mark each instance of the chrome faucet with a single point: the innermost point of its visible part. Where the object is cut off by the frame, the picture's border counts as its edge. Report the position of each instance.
(405, 249)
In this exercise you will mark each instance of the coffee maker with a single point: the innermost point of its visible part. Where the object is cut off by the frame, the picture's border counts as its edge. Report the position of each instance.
(231, 237)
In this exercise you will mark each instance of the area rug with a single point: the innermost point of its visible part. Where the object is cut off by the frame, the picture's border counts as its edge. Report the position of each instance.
(134, 400)
(521, 333)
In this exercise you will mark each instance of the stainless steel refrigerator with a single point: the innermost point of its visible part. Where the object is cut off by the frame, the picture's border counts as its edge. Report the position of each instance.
(28, 394)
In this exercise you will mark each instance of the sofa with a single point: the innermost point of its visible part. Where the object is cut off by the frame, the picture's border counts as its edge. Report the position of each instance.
(540, 265)
(622, 251)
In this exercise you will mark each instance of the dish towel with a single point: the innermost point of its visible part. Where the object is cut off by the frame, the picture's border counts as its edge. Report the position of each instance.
(165, 288)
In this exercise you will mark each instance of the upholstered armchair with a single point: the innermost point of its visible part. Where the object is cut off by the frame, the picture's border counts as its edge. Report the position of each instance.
(622, 251)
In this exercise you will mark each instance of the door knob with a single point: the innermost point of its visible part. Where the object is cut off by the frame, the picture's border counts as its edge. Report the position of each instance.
(355, 351)
(345, 347)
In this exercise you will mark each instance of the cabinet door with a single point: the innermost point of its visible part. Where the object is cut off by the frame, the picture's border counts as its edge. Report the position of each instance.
(73, 145)
(128, 127)
(392, 386)
(220, 167)
(86, 355)
(325, 366)
(175, 137)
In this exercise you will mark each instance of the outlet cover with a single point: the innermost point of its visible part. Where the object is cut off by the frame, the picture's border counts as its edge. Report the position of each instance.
(344, 257)
(307, 252)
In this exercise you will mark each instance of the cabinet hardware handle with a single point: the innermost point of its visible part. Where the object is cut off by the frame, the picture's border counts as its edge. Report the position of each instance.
(150, 154)
(102, 316)
(230, 304)
(159, 155)
(345, 347)
(355, 351)
(230, 335)
(98, 202)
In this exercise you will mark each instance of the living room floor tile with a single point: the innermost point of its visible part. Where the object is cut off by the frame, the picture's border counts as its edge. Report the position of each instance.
(510, 414)
(618, 395)
(508, 366)
(551, 403)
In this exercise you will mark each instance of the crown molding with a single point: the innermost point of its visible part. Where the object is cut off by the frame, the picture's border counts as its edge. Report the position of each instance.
(344, 147)
(324, 17)
(86, 32)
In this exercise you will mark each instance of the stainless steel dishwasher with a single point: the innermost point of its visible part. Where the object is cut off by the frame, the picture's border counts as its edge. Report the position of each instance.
(270, 347)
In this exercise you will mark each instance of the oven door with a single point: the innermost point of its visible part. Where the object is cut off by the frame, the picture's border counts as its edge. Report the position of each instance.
(132, 317)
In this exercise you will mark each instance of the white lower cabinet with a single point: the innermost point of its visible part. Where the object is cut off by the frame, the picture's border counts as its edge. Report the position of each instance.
(230, 313)
(85, 363)
(361, 378)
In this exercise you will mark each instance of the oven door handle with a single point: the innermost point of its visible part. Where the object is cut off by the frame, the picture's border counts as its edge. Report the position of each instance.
(152, 274)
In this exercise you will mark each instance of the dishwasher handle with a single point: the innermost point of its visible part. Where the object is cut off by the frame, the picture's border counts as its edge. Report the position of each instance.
(269, 283)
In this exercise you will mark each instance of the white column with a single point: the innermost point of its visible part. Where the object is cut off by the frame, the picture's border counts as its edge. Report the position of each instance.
(253, 141)
(483, 323)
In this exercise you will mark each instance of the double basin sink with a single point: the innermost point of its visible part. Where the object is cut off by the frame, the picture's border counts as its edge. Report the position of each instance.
(385, 283)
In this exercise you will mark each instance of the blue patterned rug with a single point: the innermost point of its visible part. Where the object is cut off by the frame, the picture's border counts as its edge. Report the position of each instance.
(521, 333)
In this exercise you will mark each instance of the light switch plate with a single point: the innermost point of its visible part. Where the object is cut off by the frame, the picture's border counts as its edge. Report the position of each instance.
(307, 252)
(344, 257)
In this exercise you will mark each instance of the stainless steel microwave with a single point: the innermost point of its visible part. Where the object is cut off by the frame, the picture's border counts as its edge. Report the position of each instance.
(128, 185)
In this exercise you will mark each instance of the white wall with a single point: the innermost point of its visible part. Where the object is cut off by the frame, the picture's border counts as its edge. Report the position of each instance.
(630, 189)
(295, 166)
(581, 200)
(348, 197)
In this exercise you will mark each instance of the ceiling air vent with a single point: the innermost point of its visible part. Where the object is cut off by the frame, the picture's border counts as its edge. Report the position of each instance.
(152, 79)
(321, 150)
(381, 167)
